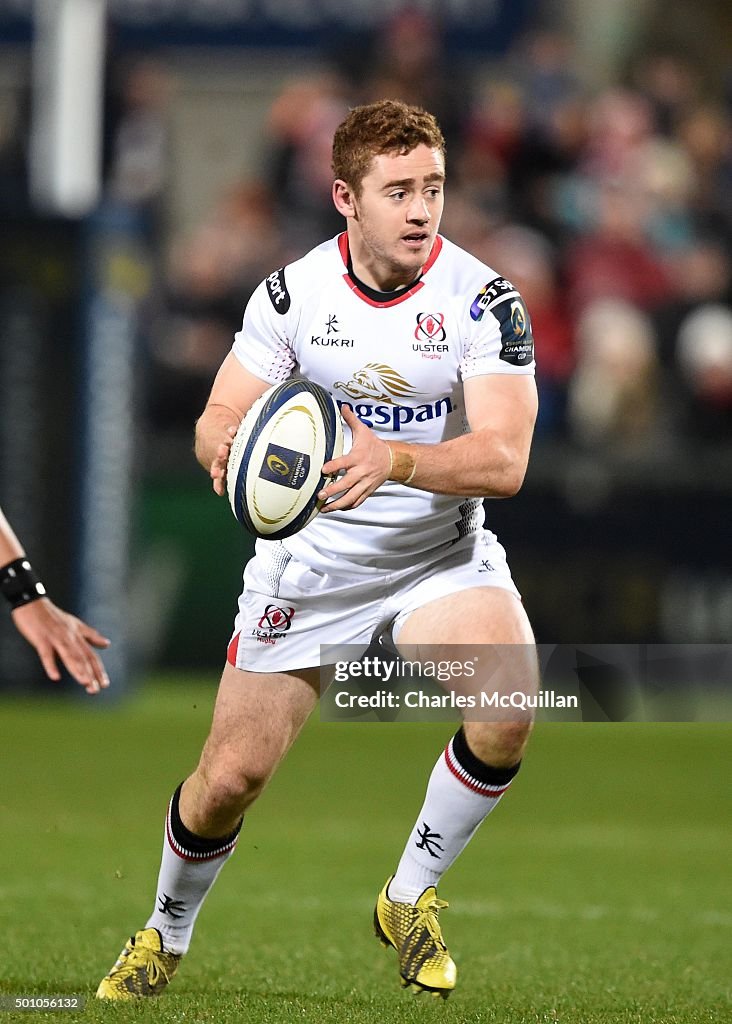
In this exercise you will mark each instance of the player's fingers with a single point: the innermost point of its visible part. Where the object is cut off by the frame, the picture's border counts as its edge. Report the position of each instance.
(48, 660)
(352, 419)
(343, 483)
(218, 477)
(354, 496)
(338, 465)
(75, 655)
(99, 673)
(94, 637)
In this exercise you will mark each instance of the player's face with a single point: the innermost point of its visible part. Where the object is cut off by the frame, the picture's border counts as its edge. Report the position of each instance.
(397, 215)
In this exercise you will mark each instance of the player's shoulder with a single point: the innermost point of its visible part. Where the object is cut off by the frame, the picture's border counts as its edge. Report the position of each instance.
(291, 284)
(471, 281)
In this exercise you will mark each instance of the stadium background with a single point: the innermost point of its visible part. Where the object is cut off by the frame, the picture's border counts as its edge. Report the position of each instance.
(589, 153)
(590, 161)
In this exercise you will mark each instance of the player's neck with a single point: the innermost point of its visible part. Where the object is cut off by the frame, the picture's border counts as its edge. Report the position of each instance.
(377, 278)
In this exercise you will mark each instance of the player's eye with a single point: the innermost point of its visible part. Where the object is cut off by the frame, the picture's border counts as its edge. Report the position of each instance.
(398, 195)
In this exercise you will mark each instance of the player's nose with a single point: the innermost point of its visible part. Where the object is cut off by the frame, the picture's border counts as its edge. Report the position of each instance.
(418, 212)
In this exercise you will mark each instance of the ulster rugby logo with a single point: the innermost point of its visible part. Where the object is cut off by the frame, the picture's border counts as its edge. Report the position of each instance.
(430, 327)
(379, 383)
(276, 618)
(273, 623)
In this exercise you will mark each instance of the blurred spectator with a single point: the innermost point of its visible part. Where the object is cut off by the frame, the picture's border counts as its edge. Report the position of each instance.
(528, 260)
(614, 259)
(705, 360)
(408, 63)
(663, 173)
(706, 134)
(545, 66)
(213, 272)
(301, 125)
(614, 400)
(138, 158)
(702, 274)
(554, 130)
(620, 121)
(669, 83)
(493, 139)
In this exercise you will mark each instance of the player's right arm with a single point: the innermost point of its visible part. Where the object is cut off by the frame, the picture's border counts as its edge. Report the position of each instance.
(261, 356)
(234, 391)
(53, 632)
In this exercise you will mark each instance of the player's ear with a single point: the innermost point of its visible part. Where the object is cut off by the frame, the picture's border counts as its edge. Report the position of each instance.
(344, 198)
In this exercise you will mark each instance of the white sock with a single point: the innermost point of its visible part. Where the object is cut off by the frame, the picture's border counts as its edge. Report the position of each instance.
(461, 793)
(189, 867)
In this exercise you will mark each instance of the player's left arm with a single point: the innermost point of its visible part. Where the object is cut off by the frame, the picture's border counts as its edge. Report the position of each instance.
(489, 462)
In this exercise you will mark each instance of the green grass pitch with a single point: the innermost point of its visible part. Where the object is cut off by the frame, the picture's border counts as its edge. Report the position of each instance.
(599, 891)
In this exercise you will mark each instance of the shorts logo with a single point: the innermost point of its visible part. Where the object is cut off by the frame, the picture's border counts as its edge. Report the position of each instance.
(273, 623)
(277, 291)
(430, 327)
(276, 617)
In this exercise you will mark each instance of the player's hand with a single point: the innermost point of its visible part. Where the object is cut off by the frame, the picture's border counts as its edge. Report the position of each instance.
(218, 466)
(55, 633)
(366, 466)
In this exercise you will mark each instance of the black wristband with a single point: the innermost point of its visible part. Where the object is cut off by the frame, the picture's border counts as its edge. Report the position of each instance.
(20, 584)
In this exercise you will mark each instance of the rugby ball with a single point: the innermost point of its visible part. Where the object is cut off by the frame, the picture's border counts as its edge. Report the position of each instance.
(273, 474)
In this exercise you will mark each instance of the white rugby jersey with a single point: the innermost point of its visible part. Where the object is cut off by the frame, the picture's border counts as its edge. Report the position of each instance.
(399, 361)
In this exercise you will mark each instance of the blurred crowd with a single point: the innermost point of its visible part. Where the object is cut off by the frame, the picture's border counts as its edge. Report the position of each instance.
(610, 209)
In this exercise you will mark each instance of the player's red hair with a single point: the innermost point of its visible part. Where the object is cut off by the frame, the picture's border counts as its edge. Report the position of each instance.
(388, 126)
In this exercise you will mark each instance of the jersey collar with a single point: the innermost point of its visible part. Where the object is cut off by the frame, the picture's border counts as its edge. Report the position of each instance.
(371, 295)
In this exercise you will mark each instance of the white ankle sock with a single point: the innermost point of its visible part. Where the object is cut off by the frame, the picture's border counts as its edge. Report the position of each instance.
(461, 793)
(189, 867)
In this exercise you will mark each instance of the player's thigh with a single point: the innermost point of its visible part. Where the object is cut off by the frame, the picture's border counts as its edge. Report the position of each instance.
(484, 629)
(476, 615)
(256, 718)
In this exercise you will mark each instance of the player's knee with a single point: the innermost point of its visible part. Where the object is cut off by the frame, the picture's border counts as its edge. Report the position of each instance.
(230, 788)
(499, 744)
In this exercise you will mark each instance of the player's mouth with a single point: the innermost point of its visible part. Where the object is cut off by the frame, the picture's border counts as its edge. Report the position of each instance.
(416, 239)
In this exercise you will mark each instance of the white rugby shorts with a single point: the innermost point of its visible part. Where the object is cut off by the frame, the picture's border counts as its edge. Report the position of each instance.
(287, 610)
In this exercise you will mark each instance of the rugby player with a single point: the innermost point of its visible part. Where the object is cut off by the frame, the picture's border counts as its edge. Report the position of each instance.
(429, 354)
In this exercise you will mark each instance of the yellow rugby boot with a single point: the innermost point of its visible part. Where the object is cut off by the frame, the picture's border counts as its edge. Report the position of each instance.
(425, 964)
(143, 968)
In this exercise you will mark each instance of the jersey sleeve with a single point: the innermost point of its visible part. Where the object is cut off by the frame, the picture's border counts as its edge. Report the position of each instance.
(499, 336)
(262, 345)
